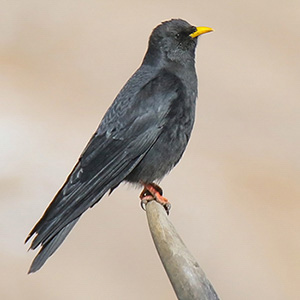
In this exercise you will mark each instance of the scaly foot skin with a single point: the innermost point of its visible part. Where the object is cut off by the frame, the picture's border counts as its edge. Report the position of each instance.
(153, 192)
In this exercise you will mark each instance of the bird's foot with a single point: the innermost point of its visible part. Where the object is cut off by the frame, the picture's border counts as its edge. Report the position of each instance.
(152, 192)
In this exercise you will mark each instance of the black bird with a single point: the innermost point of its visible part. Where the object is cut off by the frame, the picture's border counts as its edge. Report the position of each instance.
(140, 139)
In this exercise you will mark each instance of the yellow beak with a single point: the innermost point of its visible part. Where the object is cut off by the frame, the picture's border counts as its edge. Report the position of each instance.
(200, 30)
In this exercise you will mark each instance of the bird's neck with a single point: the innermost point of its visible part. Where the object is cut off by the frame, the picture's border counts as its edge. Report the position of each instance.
(158, 57)
(183, 68)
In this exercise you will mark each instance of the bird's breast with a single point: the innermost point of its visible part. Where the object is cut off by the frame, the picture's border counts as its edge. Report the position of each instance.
(170, 145)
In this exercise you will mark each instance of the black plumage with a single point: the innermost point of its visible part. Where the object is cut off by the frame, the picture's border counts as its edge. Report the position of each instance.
(140, 139)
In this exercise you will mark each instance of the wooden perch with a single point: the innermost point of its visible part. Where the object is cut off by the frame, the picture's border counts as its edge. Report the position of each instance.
(187, 278)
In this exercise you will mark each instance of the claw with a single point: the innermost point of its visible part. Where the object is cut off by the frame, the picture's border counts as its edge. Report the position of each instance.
(143, 204)
(145, 197)
(167, 207)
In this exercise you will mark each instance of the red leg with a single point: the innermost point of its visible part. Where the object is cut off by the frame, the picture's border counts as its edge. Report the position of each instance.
(153, 192)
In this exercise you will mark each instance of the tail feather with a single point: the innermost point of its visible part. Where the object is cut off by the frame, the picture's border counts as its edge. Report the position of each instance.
(50, 247)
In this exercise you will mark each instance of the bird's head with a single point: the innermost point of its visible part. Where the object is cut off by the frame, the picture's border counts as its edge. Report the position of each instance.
(173, 40)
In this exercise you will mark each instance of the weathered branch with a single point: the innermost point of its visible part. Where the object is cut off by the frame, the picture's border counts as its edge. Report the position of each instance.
(187, 278)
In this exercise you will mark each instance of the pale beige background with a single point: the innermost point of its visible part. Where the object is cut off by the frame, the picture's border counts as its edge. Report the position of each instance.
(235, 194)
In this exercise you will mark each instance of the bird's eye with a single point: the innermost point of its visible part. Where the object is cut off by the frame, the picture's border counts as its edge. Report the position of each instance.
(177, 36)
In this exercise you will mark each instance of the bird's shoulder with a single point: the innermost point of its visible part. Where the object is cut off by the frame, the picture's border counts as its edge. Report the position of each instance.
(148, 94)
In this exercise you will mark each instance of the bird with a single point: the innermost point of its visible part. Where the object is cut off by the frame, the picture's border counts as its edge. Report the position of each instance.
(141, 137)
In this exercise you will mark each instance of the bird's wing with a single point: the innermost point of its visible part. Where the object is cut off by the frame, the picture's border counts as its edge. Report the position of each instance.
(113, 152)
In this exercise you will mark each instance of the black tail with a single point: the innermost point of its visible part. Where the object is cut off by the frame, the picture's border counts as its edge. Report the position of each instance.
(50, 247)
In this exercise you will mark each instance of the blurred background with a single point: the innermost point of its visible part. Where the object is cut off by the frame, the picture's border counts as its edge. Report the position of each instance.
(235, 194)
